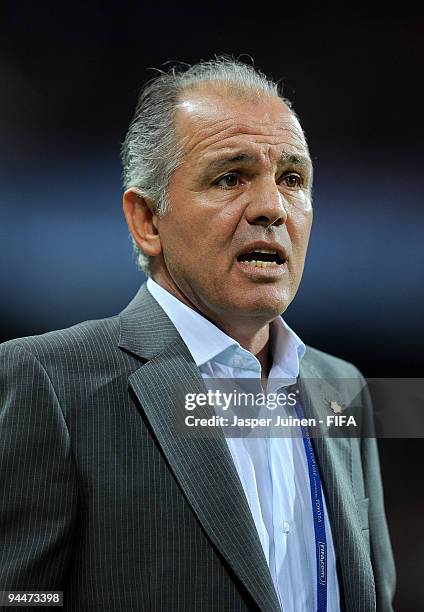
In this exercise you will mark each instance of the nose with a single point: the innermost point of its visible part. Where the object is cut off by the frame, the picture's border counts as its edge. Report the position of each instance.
(267, 206)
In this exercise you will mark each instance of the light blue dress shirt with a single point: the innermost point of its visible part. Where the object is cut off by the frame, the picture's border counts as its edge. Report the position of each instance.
(273, 471)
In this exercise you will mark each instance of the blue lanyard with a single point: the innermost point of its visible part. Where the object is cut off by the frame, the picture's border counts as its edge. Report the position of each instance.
(318, 514)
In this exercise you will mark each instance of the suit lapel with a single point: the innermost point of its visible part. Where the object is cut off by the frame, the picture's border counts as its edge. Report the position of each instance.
(203, 467)
(334, 458)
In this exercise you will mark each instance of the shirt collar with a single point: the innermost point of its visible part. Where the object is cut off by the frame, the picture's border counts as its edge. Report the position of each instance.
(203, 339)
(206, 341)
(287, 350)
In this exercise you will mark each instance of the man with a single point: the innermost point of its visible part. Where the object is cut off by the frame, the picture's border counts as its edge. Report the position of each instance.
(103, 496)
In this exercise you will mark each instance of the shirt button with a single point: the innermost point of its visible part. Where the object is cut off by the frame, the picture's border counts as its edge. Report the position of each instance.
(286, 527)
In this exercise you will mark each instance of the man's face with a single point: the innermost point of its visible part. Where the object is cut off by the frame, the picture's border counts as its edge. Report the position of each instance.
(243, 187)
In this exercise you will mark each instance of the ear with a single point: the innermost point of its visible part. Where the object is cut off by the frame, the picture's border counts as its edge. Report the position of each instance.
(142, 222)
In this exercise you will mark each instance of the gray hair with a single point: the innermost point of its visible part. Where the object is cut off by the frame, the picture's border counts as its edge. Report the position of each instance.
(151, 152)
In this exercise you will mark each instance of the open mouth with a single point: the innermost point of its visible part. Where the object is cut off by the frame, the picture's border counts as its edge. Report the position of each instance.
(261, 258)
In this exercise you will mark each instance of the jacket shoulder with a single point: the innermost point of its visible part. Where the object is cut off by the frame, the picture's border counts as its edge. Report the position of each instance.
(330, 366)
(73, 343)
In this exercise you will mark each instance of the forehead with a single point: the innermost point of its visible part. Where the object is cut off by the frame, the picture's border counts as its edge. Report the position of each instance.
(210, 120)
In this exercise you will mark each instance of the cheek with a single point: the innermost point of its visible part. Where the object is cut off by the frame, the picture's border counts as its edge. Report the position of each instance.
(299, 238)
(212, 226)
(300, 201)
(299, 227)
(188, 240)
(226, 220)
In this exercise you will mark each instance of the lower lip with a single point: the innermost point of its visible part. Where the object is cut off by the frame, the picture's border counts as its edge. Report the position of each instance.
(268, 272)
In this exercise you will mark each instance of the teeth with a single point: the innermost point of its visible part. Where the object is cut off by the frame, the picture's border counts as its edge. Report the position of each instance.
(260, 264)
(270, 251)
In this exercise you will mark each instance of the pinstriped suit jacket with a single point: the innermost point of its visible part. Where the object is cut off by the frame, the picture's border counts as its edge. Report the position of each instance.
(101, 498)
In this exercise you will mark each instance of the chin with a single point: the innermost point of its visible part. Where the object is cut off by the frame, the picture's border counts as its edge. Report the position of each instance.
(264, 304)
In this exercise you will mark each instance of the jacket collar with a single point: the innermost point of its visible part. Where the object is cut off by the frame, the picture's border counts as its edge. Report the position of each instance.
(145, 328)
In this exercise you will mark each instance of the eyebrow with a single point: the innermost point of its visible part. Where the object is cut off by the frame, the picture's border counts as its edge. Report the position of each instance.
(223, 162)
(249, 159)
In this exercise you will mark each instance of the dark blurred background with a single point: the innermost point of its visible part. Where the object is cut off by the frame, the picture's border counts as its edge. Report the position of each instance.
(69, 82)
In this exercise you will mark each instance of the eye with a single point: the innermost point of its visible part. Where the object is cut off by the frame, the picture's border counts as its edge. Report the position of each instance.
(293, 181)
(228, 180)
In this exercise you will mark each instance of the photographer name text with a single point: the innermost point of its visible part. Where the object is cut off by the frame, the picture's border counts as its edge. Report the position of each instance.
(332, 420)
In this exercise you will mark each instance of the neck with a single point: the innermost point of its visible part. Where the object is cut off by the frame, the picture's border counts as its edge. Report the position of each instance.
(252, 333)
